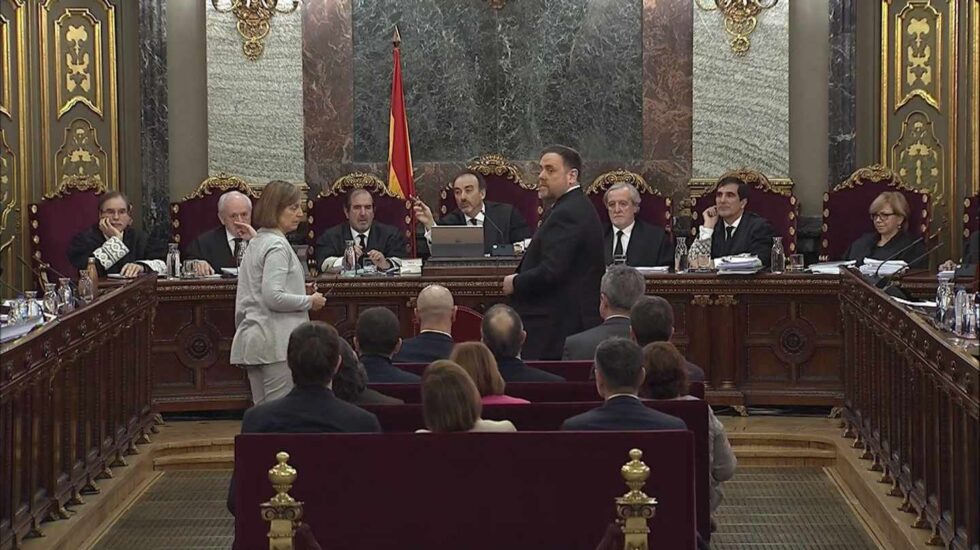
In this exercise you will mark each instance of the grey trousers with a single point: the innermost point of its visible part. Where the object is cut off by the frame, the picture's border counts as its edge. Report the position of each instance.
(269, 382)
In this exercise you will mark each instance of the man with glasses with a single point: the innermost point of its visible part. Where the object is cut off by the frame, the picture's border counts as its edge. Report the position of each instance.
(116, 246)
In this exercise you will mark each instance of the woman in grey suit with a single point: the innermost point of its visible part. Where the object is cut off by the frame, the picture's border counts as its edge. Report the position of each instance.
(272, 299)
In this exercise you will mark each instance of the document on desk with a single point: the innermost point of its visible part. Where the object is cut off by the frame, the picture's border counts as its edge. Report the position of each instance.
(654, 269)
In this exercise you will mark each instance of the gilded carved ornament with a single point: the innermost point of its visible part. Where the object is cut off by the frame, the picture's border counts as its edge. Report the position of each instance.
(918, 156)
(222, 183)
(608, 179)
(357, 180)
(253, 21)
(80, 159)
(6, 68)
(7, 199)
(497, 165)
(78, 65)
(741, 19)
(918, 54)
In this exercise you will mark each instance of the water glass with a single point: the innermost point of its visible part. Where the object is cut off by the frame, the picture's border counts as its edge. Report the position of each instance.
(66, 300)
(50, 300)
(33, 309)
(796, 264)
(17, 309)
(173, 261)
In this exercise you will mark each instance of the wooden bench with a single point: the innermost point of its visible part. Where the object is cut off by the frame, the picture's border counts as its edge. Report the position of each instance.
(479, 491)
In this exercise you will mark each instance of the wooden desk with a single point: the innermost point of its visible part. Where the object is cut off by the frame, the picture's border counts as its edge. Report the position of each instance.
(913, 404)
(763, 340)
(74, 400)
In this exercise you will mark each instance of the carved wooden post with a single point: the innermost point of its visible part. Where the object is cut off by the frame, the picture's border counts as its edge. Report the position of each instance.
(635, 508)
(282, 511)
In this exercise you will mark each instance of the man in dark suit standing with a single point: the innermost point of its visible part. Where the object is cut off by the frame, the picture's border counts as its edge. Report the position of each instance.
(619, 374)
(435, 312)
(504, 334)
(621, 287)
(641, 243)
(380, 244)
(313, 356)
(502, 223)
(377, 341)
(652, 320)
(741, 231)
(222, 246)
(556, 287)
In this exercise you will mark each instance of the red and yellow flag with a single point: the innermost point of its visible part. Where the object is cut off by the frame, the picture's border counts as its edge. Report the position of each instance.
(400, 179)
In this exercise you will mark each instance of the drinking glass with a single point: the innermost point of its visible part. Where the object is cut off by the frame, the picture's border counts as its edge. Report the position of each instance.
(66, 300)
(50, 300)
(796, 264)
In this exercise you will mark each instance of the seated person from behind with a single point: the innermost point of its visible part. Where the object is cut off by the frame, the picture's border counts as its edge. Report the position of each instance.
(502, 223)
(666, 379)
(350, 382)
(451, 402)
(741, 231)
(377, 341)
(619, 375)
(890, 214)
(620, 288)
(116, 246)
(313, 356)
(478, 362)
(435, 312)
(379, 244)
(652, 320)
(222, 246)
(641, 243)
(503, 333)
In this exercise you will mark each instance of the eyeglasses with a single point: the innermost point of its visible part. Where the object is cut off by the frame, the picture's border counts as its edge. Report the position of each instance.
(111, 212)
(883, 216)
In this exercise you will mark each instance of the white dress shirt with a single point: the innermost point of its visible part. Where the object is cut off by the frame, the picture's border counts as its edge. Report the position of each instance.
(627, 231)
(707, 232)
(337, 262)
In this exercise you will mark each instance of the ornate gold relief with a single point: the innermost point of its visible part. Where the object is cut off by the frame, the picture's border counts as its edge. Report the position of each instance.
(918, 54)
(740, 19)
(8, 199)
(918, 156)
(497, 165)
(5, 66)
(220, 184)
(253, 21)
(78, 60)
(80, 159)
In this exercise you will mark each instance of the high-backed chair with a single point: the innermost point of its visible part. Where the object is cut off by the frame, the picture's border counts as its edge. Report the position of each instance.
(971, 215)
(654, 207)
(776, 204)
(57, 218)
(327, 208)
(506, 183)
(845, 208)
(198, 211)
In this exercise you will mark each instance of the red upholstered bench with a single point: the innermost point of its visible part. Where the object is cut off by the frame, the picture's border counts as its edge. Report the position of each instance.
(477, 491)
(549, 417)
(535, 392)
(572, 371)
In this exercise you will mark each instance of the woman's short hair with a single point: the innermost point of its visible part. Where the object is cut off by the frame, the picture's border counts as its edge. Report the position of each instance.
(895, 200)
(665, 374)
(478, 362)
(276, 196)
(450, 401)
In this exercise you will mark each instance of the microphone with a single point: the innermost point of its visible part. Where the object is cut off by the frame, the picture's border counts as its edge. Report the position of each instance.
(487, 218)
(887, 283)
(909, 246)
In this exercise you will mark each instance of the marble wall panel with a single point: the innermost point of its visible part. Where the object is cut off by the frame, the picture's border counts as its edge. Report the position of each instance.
(667, 80)
(155, 140)
(741, 104)
(842, 138)
(255, 108)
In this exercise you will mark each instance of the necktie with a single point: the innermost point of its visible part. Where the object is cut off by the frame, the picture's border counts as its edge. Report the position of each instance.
(473, 221)
(618, 251)
(729, 231)
(238, 250)
(361, 242)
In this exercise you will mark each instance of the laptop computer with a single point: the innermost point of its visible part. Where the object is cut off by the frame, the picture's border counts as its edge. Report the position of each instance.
(457, 241)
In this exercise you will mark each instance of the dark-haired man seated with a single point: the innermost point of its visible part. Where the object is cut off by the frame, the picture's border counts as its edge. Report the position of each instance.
(619, 375)
(377, 341)
(503, 332)
(741, 232)
(116, 246)
(374, 242)
(652, 320)
(313, 356)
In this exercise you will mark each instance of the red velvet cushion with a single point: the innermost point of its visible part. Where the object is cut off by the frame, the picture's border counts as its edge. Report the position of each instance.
(780, 210)
(55, 221)
(971, 215)
(477, 491)
(506, 184)
(845, 209)
(654, 208)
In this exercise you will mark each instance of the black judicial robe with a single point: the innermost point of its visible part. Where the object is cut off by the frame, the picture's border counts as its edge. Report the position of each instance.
(867, 247)
(83, 244)
(753, 235)
(649, 246)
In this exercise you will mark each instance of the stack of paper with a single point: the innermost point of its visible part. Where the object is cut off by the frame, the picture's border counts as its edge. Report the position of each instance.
(740, 264)
(830, 268)
(646, 270)
(882, 269)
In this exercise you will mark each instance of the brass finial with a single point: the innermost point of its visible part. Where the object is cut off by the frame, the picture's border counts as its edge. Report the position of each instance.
(396, 39)
(635, 508)
(282, 511)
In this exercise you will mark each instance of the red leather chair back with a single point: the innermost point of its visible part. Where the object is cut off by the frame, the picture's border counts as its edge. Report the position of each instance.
(198, 212)
(778, 206)
(327, 209)
(57, 219)
(845, 208)
(654, 207)
(505, 183)
(971, 215)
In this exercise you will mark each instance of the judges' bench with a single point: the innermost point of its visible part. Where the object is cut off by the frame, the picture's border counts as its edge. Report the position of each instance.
(761, 340)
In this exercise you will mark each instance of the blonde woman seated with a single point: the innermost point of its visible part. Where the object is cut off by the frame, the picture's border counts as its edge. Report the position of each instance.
(667, 379)
(890, 215)
(478, 362)
(451, 402)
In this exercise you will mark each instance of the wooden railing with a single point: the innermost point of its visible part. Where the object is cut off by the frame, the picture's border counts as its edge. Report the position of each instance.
(74, 402)
(912, 404)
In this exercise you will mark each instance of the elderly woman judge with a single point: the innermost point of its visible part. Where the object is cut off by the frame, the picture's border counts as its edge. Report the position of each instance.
(890, 215)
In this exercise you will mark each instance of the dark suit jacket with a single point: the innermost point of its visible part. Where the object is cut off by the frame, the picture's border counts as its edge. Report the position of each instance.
(867, 247)
(381, 371)
(425, 348)
(513, 369)
(305, 409)
(623, 413)
(556, 291)
(212, 246)
(581, 346)
(84, 244)
(694, 372)
(754, 236)
(384, 238)
(971, 252)
(649, 246)
(508, 226)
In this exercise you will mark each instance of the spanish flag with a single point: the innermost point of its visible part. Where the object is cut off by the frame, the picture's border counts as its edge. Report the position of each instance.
(400, 179)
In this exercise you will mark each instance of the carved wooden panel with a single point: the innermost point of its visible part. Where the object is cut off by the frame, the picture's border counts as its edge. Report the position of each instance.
(13, 140)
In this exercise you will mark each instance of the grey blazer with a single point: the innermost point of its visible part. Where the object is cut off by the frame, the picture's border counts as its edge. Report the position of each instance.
(271, 300)
(581, 346)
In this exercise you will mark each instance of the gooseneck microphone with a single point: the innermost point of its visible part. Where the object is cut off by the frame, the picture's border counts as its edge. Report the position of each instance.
(486, 218)
(909, 246)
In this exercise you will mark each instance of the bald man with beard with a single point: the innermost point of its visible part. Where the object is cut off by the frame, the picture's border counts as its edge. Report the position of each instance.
(435, 312)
